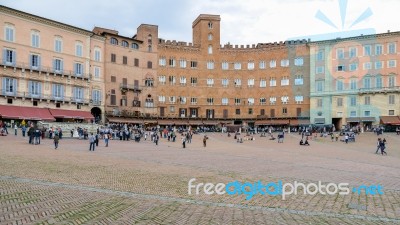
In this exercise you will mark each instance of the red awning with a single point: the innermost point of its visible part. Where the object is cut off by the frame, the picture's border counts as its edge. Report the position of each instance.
(393, 120)
(299, 122)
(25, 113)
(71, 114)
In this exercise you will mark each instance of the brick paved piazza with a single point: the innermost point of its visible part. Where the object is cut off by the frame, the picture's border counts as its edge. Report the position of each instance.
(140, 183)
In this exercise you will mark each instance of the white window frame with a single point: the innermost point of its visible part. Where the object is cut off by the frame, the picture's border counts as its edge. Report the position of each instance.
(262, 64)
(237, 66)
(225, 66)
(263, 83)
(272, 64)
(35, 39)
(79, 49)
(250, 65)
(9, 33)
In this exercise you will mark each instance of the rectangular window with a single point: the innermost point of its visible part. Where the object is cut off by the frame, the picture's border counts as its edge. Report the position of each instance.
(34, 61)
(284, 110)
(263, 101)
(353, 114)
(272, 100)
(9, 35)
(391, 64)
(136, 62)
(124, 60)
(224, 101)
(341, 68)
(250, 111)
(96, 97)
(210, 65)
(285, 99)
(352, 52)
(262, 65)
(193, 81)
(172, 80)
(285, 81)
(225, 82)
(272, 63)
(172, 109)
(172, 99)
(319, 69)
(367, 113)
(391, 81)
(9, 57)
(78, 69)
(193, 64)
(339, 102)
(367, 100)
(225, 65)
(58, 65)
(210, 101)
(340, 53)
(96, 72)
(378, 49)
(298, 61)
(113, 58)
(378, 82)
(298, 99)
(9, 86)
(250, 101)
(353, 66)
(161, 61)
(237, 101)
(149, 64)
(353, 101)
(284, 62)
(298, 80)
(367, 50)
(237, 111)
(182, 81)
(392, 48)
(161, 99)
(79, 50)
(339, 85)
(97, 55)
(78, 94)
(238, 82)
(353, 84)
(35, 40)
(367, 82)
(58, 45)
(391, 112)
(250, 82)
(113, 79)
(320, 55)
(319, 85)
(162, 79)
(58, 91)
(378, 65)
(237, 66)
(210, 82)
(263, 83)
(272, 82)
(250, 65)
(193, 101)
(391, 99)
(182, 63)
(367, 66)
(172, 62)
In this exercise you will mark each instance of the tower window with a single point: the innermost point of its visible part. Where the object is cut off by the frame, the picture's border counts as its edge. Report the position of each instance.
(210, 25)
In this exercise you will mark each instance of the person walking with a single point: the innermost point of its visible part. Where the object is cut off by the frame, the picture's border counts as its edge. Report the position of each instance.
(383, 146)
(96, 136)
(184, 142)
(378, 146)
(205, 140)
(346, 138)
(56, 140)
(23, 131)
(156, 139)
(16, 129)
(106, 137)
(92, 142)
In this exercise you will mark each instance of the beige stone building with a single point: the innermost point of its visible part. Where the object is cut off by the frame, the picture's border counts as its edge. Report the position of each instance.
(48, 66)
(355, 81)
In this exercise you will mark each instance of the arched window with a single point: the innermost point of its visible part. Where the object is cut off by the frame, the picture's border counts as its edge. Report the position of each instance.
(210, 25)
(210, 50)
(210, 37)
(135, 46)
(149, 38)
(114, 41)
(150, 48)
(125, 44)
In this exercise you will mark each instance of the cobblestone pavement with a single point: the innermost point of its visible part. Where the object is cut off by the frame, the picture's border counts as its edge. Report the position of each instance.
(140, 183)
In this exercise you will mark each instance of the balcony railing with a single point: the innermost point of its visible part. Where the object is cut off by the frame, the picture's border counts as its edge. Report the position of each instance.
(27, 95)
(379, 90)
(44, 69)
(130, 87)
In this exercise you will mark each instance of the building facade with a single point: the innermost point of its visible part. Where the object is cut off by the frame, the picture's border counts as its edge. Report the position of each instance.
(205, 82)
(354, 81)
(50, 65)
(130, 68)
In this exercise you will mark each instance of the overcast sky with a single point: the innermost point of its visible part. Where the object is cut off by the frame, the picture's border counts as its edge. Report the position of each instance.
(242, 21)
